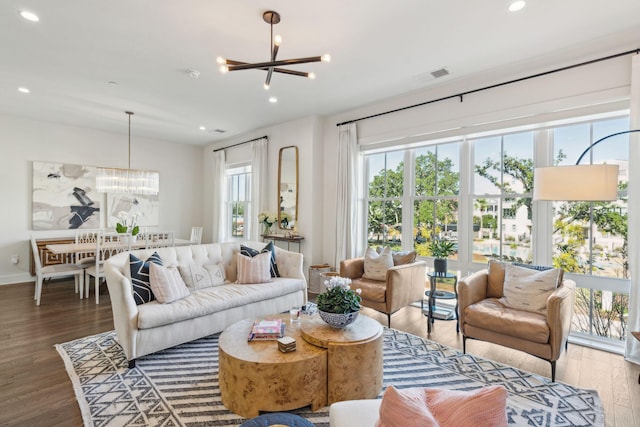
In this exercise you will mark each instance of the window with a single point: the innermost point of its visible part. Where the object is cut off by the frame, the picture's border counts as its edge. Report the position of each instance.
(384, 207)
(239, 181)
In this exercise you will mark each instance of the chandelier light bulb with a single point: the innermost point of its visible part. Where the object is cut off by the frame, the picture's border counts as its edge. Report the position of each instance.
(277, 40)
(273, 100)
(311, 76)
(325, 58)
(29, 16)
(266, 86)
(220, 60)
(224, 69)
(517, 5)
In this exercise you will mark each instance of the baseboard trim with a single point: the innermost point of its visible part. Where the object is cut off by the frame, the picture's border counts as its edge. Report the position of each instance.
(12, 279)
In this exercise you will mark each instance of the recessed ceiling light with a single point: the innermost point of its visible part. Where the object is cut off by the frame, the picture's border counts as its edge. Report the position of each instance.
(23, 90)
(203, 128)
(29, 16)
(517, 5)
(273, 99)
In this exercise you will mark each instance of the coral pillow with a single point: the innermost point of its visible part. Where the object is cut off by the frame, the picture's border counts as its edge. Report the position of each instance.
(254, 270)
(376, 265)
(425, 407)
(166, 283)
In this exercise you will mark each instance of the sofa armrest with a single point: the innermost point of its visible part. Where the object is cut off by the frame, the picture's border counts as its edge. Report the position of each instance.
(352, 268)
(471, 289)
(405, 284)
(354, 413)
(125, 310)
(559, 315)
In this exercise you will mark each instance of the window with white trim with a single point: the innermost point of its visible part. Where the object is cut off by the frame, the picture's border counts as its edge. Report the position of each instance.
(238, 200)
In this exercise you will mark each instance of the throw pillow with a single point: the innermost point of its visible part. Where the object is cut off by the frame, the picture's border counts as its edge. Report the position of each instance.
(376, 265)
(400, 258)
(201, 277)
(527, 289)
(250, 252)
(254, 270)
(166, 284)
(139, 269)
(484, 407)
(540, 268)
(405, 408)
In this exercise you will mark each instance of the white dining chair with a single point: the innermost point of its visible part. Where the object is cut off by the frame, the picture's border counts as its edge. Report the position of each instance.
(196, 235)
(87, 258)
(53, 272)
(107, 244)
(159, 239)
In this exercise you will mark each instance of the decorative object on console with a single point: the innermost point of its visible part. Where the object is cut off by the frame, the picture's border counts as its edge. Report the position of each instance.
(267, 219)
(118, 180)
(339, 305)
(272, 18)
(441, 250)
(595, 182)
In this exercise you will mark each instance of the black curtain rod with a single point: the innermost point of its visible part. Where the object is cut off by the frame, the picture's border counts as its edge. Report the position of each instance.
(240, 143)
(462, 94)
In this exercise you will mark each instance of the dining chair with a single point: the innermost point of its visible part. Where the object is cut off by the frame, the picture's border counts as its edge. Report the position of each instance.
(87, 258)
(196, 235)
(53, 272)
(107, 244)
(159, 239)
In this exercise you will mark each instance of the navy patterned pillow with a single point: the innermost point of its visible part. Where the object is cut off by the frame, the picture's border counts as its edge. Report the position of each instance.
(140, 277)
(250, 252)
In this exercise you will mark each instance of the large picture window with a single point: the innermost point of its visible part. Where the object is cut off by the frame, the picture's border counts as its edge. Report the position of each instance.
(385, 191)
(239, 180)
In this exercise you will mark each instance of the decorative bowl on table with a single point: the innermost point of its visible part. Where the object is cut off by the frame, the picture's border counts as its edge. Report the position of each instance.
(338, 320)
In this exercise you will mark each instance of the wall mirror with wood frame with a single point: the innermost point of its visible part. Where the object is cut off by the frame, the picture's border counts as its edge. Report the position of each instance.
(288, 187)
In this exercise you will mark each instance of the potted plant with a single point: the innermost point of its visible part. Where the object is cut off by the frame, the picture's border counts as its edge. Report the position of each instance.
(123, 225)
(441, 250)
(339, 305)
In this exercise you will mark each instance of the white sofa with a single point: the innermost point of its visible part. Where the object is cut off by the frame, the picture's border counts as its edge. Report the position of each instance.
(147, 328)
(354, 413)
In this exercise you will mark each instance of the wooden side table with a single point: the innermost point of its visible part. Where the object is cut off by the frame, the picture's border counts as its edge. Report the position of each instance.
(636, 334)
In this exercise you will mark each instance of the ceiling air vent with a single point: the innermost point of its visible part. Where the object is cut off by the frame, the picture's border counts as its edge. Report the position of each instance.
(440, 73)
(217, 131)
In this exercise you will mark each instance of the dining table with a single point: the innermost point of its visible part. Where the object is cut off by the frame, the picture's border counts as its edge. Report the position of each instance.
(87, 247)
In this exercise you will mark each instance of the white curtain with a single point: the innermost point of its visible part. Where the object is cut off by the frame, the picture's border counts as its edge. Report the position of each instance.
(259, 187)
(632, 351)
(346, 193)
(219, 198)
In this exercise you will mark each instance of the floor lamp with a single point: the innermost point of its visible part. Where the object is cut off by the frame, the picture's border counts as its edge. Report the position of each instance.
(594, 183)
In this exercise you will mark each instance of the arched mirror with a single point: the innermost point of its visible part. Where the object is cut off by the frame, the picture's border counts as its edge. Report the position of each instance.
(288, 187)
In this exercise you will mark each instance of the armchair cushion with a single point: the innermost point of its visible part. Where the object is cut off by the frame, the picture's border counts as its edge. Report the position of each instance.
(376, 264)
(527, 289)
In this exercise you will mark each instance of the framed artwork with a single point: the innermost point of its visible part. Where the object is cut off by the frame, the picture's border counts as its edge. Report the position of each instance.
(145, 205)
(64, 197)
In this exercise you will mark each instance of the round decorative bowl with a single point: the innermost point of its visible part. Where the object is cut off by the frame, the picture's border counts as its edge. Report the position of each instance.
(338, 320)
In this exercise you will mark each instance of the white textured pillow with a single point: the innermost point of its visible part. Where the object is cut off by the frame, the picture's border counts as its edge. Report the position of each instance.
(376, 265)
(200, 277)
(217, 274)
(166, 284)
(527, 289)
(254, 270)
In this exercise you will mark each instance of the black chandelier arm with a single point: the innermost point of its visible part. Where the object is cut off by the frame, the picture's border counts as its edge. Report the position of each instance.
(276, 70)
(282, 62)
(602, 139)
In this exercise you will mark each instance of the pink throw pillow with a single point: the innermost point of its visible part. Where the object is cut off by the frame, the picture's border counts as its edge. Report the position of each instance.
(425, 407)
(254, 270)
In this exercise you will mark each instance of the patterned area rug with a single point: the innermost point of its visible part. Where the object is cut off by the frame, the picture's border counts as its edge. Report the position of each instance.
(179, 386)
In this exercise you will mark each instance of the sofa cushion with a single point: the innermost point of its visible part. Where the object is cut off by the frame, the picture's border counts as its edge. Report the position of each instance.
(254, 270)
(139, 271)
(405, 408)
(213, 300)
(250, 252)
(370, 290)
(491, 315)
(376, 264)
(495, 279)
(199, 277)
(527, 289)
(166, 283)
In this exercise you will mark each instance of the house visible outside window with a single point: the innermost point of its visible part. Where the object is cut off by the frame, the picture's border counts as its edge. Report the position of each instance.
(238, 203)
(589, 240)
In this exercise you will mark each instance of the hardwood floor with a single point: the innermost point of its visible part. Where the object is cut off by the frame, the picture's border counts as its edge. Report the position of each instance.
(35, 389)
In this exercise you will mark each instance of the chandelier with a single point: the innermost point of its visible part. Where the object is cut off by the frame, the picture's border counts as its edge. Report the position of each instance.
(118, 180)
(272, 18)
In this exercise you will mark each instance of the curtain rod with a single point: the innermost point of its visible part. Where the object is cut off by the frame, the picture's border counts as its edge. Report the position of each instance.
(240, 143)
(462, 94)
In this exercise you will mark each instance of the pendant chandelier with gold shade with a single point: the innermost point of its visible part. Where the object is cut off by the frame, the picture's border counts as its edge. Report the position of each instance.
(119, 180)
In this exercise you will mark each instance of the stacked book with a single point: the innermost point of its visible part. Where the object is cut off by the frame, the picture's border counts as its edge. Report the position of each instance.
(287, 344)
(267, 329)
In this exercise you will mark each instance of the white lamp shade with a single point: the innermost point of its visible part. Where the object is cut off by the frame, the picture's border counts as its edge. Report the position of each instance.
(593, 183)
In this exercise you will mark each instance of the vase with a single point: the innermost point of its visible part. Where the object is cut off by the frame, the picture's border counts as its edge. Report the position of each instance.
(129, 239)
(338, 320)
(267, 230)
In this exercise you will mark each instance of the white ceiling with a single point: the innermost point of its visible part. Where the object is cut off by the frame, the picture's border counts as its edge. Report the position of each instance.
(379, 49)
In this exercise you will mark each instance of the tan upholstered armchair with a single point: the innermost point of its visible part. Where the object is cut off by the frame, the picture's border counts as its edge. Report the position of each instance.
(404, 284)
(484, 317)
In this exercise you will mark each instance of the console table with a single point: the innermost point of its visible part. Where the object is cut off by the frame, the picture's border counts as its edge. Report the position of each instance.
(297, 240)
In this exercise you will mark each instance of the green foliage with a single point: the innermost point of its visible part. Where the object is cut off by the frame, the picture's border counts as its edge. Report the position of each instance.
(120, 228)
(442, 248)
(339, 300)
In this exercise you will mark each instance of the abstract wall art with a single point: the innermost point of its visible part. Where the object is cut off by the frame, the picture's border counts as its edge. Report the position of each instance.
(64, 197)
(146, 206)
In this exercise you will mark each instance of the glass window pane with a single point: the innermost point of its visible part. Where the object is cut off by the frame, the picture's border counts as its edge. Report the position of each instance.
(488, 160)
(425, 171)
(386, 175)
(384, 226)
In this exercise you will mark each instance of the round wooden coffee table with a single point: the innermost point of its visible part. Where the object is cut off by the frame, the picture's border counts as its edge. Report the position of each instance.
(354, 369)
(255, 376)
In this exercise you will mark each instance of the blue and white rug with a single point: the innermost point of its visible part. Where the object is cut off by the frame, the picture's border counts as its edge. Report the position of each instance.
(179, 386)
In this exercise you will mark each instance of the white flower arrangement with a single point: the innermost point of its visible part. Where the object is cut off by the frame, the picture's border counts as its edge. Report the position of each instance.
(123, 226)
(267, 218)
(340, 282)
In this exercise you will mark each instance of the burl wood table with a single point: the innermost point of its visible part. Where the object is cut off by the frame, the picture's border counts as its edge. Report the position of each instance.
(328, 365)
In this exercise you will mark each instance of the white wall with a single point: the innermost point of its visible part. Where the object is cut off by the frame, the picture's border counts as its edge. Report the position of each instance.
(22, 141)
